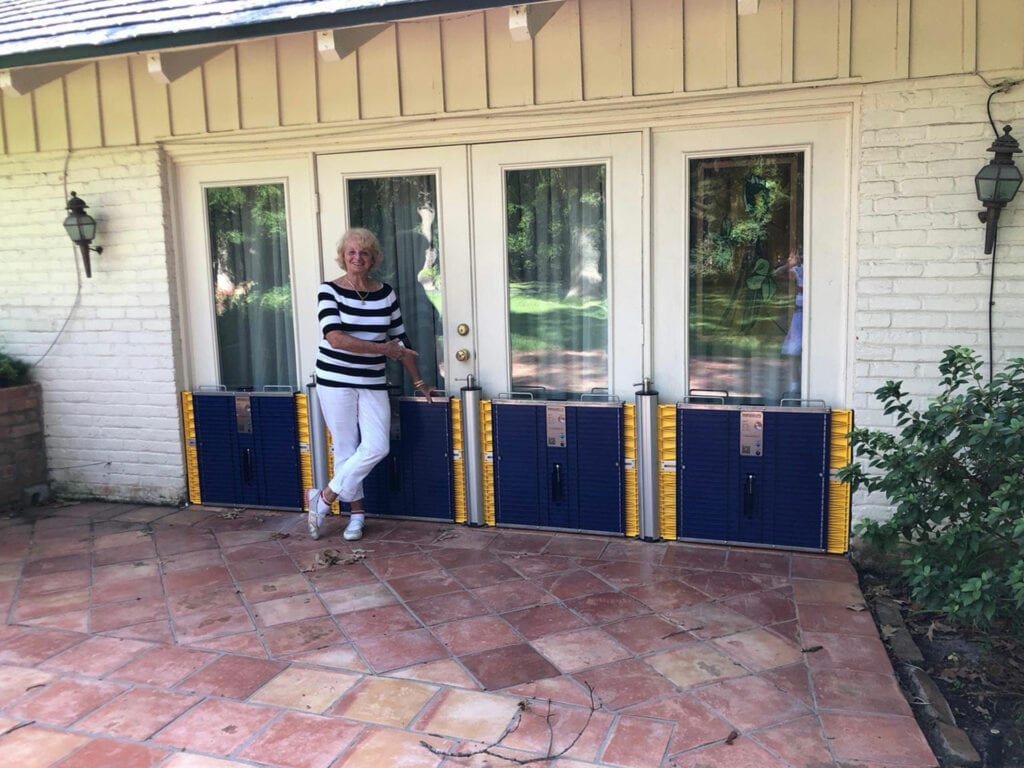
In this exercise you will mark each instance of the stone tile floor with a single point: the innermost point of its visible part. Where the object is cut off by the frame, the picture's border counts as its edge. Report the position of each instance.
(205, 638)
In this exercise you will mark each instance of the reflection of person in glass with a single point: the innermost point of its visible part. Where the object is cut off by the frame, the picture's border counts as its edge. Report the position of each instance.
(362, 328)
(793, 343)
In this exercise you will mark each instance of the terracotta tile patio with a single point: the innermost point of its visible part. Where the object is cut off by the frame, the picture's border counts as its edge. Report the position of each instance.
(138, 637)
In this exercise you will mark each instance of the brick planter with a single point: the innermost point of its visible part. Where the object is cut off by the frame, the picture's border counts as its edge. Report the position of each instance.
(22, 448)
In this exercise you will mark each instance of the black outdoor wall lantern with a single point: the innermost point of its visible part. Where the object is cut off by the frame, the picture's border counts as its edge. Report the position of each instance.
(997, 183)
(81, 228)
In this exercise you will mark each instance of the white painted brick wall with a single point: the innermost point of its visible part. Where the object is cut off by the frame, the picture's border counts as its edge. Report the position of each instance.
(109, 382)
(922, 276)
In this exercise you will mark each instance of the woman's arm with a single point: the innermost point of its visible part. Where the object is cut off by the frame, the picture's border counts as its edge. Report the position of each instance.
(348, 343)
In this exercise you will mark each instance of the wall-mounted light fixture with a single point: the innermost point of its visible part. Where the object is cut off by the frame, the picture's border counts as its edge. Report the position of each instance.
(997, 183)
(81, 228)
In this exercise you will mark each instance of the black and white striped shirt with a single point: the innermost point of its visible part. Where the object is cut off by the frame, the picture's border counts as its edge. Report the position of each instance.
(375, 316)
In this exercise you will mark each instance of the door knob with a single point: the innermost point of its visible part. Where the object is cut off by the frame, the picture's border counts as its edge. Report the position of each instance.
(462, 355)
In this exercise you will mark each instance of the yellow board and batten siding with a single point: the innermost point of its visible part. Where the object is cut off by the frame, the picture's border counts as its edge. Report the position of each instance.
(588, 51)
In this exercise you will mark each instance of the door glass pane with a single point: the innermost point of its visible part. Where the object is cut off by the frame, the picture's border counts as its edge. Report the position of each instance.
(746, 276)
(252, 285)
(557, 278)
(402, 212)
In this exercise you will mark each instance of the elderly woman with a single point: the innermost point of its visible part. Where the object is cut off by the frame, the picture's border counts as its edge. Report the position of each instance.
(362, 328)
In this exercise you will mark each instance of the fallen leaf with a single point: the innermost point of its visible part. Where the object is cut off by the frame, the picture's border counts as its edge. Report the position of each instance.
(887, 631)
(733, 735)
(857, 607)
(811, 649)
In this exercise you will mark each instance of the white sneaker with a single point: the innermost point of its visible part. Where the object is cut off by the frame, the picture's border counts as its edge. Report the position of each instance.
(318, 509)
(354, 529)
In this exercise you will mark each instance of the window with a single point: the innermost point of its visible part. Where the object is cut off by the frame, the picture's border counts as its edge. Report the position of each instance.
(402, 212)
(557, 280)
(746, 276)
(252, 291)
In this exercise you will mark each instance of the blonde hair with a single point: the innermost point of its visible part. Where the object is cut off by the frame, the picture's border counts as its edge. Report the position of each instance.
(362, 238)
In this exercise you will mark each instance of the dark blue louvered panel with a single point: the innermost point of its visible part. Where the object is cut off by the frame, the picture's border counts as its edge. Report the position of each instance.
(707, 451)
(275, 437)
(426, 451)
(796, 498)
(521, 473)
(217, 449)
(596, 471)
(383, 488)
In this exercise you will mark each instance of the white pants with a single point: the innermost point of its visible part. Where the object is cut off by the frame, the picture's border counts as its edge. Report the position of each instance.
(360, 424)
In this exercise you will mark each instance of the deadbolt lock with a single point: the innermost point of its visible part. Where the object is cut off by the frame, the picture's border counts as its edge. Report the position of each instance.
(462, 355)
(462, 329)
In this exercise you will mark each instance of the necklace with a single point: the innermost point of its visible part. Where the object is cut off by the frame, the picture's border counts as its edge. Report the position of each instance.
(362, 296)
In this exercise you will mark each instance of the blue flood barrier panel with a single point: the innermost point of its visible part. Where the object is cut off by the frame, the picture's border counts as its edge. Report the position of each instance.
(796, 499)
(254, 467)
(707, 473)
(576, 486)
(520, 464)
(597, 472)
(275, 438)
(775, 495)
(217, 449)
(416, 478)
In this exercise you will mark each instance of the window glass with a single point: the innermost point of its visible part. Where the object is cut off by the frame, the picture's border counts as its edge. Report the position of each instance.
(402, 212)
(252, 285)
(746, 277)
(557, 280)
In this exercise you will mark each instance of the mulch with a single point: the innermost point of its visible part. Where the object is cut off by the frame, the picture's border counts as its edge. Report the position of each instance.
(980, 673)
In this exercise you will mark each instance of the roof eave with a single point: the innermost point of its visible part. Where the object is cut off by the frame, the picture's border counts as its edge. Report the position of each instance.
(386, 13)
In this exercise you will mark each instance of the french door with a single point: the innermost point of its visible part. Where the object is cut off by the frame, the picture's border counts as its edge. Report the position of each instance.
(517, 262)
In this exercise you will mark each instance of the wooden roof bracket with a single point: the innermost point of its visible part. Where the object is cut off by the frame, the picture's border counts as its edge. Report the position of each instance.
(336, 44)
(23, 80)
(525, 21)
(168, 66)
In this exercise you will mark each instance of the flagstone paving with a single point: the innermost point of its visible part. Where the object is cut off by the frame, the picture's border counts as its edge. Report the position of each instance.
(146, 637)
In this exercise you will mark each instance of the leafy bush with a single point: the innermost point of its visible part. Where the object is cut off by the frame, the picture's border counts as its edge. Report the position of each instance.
(13, 372)
(955, 474)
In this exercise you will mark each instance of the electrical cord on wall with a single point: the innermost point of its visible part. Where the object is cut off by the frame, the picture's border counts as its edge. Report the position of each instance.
(78, 276)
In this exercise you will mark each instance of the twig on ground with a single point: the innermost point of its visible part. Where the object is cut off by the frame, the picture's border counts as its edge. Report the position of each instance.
(514, 724)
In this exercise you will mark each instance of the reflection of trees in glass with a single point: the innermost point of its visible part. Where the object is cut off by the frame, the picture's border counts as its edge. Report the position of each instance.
(402, 212)
(746, 218)
(558, 318)
(252, 285)
(556, 230)
(743, 227)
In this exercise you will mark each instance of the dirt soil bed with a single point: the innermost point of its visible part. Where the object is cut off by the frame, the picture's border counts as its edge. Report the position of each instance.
(981, 674)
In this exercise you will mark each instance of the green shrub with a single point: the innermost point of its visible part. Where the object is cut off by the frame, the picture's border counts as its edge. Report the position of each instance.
(13, 372)
(954, 472)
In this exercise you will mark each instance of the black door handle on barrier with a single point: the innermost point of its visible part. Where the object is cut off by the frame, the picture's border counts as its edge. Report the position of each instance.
(556, 482)
(748, 496)
(247, 465)
(396, 474)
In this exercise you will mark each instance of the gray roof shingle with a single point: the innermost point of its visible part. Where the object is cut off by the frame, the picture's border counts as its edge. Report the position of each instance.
(39, 31)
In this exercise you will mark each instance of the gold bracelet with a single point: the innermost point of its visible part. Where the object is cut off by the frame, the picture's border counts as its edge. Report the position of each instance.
(418, 383)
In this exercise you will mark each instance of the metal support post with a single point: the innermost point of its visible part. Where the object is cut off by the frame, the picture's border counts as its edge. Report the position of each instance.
(647, 461)
(317, 438)
(472, 455)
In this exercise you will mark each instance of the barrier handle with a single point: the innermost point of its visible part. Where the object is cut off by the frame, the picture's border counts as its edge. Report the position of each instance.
(556, 482)
(748, 496)
(247, 464)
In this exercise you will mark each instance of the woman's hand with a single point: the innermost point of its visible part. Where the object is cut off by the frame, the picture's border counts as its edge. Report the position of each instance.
(395, 350)
(422, 388)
